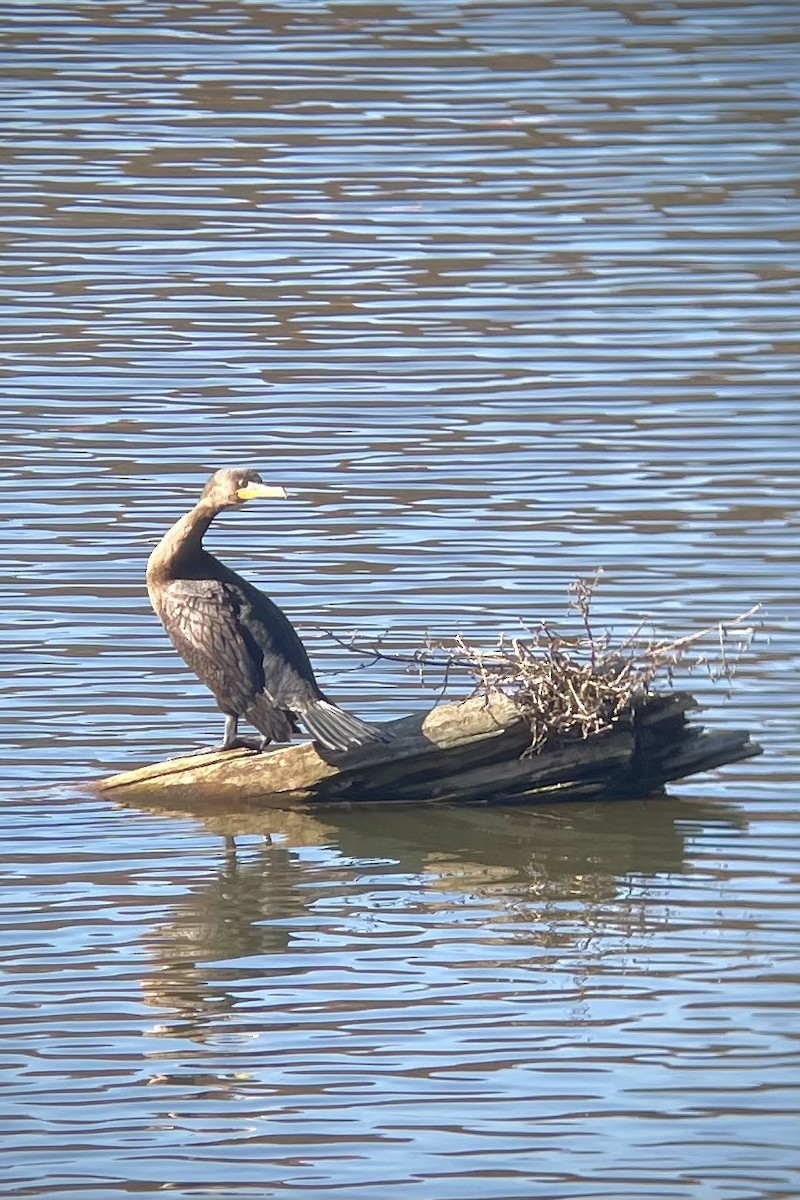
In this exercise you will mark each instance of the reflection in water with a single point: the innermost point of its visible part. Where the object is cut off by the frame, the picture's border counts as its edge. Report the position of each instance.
(544, 879)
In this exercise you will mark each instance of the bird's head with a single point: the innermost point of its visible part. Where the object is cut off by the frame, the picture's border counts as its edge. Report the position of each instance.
(232, 486)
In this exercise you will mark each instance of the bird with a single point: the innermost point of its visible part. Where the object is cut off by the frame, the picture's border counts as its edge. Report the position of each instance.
(235, 639)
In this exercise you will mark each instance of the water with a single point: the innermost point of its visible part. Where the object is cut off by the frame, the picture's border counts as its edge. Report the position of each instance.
(501, 293)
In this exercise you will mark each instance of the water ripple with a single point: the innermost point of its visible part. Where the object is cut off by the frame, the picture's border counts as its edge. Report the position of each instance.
(501, 293)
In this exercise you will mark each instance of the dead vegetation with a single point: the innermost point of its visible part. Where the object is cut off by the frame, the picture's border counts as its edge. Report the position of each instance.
(571, 686)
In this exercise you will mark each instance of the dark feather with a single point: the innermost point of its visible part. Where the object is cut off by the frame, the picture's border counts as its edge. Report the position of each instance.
(337, 729)
(202, 620)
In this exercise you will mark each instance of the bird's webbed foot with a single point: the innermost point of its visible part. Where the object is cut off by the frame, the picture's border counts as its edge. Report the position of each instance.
(230, 741)
(217, 748)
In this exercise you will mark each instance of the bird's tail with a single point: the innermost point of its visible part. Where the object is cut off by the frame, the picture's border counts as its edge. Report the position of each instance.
(337, 729)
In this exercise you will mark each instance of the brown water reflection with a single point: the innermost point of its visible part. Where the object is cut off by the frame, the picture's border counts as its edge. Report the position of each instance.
(523, 867)
(502, 292)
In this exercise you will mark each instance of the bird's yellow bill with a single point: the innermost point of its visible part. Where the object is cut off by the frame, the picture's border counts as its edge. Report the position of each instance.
(261, 491)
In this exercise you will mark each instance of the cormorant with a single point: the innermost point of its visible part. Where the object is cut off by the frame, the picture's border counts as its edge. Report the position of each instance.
(237, 642)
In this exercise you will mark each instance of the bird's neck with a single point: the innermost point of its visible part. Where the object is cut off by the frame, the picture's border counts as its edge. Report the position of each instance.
(182, 543)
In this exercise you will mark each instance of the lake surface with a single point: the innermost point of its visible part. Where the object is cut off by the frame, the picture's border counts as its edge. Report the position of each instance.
(502, 293)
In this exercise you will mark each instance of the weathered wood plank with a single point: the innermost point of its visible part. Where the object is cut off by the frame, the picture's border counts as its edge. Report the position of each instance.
(472, 752)
(419, 746)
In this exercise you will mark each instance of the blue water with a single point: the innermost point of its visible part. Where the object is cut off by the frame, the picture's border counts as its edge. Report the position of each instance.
(501, 294)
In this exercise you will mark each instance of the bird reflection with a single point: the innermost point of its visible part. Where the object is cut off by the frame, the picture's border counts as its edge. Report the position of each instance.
(231, 933)
(218, 926)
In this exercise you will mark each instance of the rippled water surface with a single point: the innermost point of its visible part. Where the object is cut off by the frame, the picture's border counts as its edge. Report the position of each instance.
(502, 292)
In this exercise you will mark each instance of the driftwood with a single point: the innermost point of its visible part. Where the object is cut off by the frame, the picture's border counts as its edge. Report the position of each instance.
(472, 752)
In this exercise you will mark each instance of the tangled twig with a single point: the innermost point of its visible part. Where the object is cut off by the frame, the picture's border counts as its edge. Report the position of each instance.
(568, 687)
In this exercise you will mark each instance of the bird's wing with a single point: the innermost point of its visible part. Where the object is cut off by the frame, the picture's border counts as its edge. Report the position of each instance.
(202, 618)
(288, 674)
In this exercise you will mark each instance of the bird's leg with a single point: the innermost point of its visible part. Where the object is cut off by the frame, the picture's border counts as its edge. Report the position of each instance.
(231, 729)
(229, 741)
(265, 741)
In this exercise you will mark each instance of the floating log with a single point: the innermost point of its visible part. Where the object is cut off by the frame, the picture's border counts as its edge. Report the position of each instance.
(473, 752)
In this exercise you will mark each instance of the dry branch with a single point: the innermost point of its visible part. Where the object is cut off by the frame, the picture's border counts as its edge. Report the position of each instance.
(470, 752)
